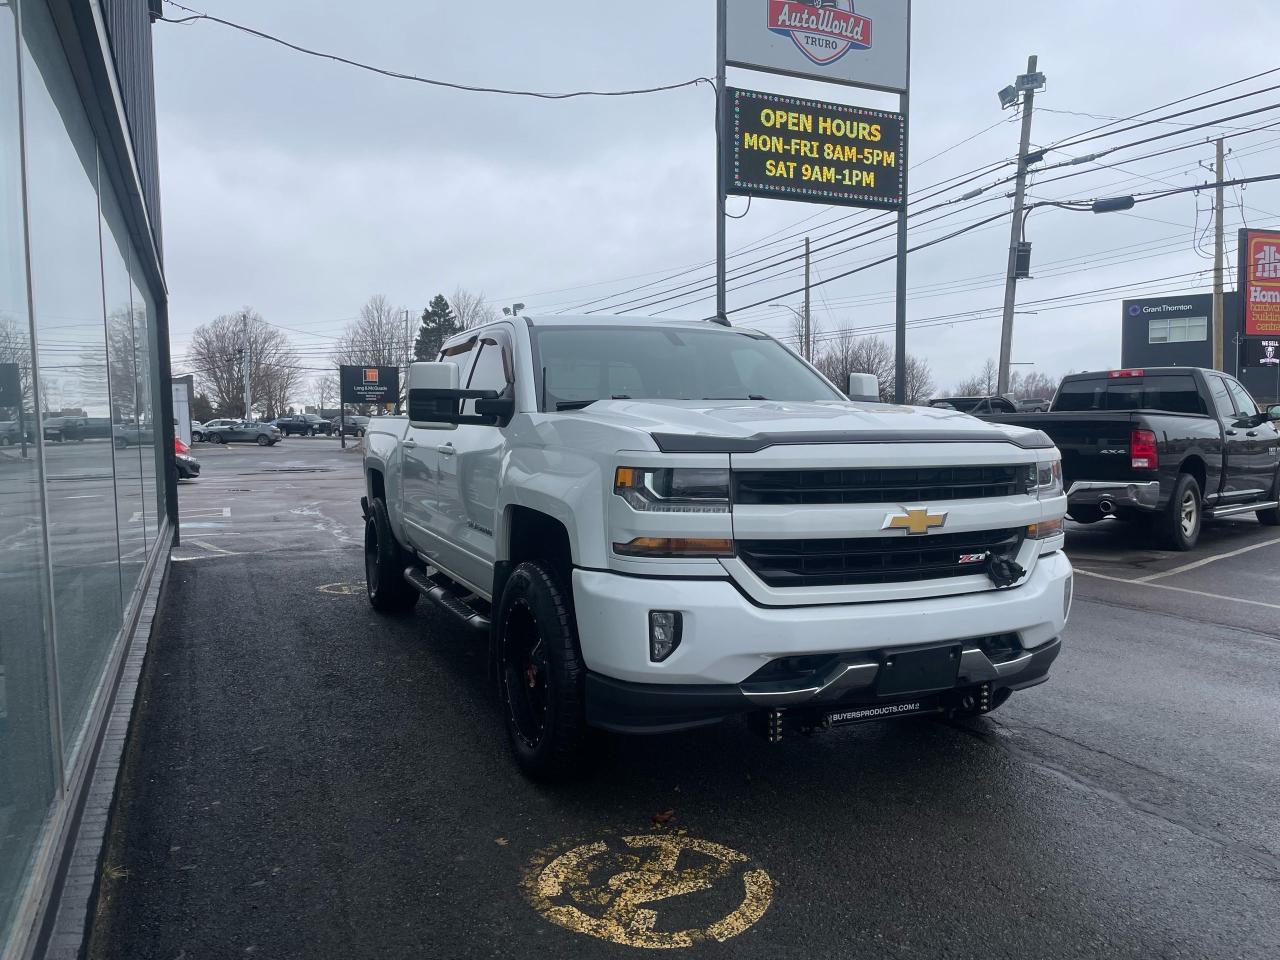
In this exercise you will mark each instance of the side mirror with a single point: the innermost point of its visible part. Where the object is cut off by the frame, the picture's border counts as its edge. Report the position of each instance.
(435, 401)
(864, 388)
(433, 395)
(1273, 413)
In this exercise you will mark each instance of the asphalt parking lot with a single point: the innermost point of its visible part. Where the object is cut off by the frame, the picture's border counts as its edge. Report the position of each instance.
(307, 779)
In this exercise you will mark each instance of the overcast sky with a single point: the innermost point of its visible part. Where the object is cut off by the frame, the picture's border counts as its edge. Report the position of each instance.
(300, 187)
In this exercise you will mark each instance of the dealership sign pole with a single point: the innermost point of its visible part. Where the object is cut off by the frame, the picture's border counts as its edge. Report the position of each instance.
(788, 148)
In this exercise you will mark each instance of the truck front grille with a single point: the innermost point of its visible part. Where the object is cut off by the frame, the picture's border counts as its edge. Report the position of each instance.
(872, 560)
(892, 485)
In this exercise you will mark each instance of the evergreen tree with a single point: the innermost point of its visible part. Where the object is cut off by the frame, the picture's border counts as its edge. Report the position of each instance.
(438, 325)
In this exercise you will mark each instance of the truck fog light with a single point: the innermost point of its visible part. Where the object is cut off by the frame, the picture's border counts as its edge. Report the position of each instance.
(664, 633)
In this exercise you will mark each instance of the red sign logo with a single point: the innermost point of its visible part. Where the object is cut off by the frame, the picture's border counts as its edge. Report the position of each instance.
(824, 30)
(370, 374)
(1262, 285)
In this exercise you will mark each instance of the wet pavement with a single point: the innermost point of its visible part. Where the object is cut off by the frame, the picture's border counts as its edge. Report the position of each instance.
(308, 779)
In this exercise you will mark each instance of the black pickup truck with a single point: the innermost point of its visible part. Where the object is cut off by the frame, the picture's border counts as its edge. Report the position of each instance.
(1165, 447)
(304, 425)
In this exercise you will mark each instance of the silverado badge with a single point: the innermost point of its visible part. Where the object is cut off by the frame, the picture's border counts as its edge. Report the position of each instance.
(916, 522)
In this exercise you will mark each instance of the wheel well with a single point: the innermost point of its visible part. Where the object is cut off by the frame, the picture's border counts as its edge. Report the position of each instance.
(537, 536)
(1195, 467)
(377, 486)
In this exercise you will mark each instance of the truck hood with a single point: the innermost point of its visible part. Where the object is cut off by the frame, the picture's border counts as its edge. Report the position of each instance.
(741, 426)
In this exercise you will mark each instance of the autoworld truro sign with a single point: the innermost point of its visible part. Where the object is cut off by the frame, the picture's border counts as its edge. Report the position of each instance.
(791, 149)
(858, 42)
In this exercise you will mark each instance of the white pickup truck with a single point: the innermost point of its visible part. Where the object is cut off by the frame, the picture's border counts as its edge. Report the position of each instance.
(657, 525)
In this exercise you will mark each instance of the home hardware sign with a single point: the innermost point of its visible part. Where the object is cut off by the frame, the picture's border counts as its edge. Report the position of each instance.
(792, 149)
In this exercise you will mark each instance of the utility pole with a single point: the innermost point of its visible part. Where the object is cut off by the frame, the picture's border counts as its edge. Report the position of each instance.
(1028, 89)
(408, 359)
(247, 366)
(808, 324)
(722, 103)
(1217, 333)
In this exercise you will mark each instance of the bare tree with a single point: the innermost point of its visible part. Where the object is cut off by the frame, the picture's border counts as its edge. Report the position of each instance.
(984, 384)
(471, 309)
(1034, 385)
(845, 352)
(15, 348)
(325, 389)
(377, 338)
(217, 356)
(920, 383)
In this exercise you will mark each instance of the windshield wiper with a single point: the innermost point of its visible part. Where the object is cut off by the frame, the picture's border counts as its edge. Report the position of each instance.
(579, 404)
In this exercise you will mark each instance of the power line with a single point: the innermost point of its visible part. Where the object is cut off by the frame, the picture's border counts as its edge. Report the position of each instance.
(196, 15)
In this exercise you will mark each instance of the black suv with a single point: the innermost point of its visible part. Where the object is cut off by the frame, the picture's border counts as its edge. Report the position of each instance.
(304, 425)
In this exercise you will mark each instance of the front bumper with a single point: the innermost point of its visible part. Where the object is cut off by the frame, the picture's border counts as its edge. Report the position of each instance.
(1120, 494)
(727, 638)
(850, 685)
(188, 467)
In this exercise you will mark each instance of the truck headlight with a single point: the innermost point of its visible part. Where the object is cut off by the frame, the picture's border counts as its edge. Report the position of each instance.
(1046, 479)
(674, 489)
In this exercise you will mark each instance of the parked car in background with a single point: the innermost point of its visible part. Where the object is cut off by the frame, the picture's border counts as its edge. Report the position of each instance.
(976, 405)
(1033, 405)
(1166, 447)
(10, 432)
(63, 429)
(197, 431)
(352, 426)
(304, 425)
(186, 466)
(132, 434)
(244, 431)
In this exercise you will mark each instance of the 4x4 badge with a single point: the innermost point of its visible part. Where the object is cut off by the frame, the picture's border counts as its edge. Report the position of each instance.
(916, 522)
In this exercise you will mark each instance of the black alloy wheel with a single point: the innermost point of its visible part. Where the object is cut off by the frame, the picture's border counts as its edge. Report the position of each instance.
(541, 676)
(217, 438)
(384, 565)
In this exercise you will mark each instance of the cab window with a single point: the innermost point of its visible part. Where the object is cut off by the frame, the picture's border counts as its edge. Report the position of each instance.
(492, 369)
(1244, 402)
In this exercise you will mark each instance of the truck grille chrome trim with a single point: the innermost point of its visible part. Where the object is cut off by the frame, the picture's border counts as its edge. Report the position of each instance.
(873, 560)
(892, 485)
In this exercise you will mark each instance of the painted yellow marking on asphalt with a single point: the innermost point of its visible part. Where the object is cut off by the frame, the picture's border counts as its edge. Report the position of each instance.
(609, 891)
(1165, 586)
(343, 589)
(1207, 560)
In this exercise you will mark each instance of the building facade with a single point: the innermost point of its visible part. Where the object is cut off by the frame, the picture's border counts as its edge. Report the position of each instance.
(87, 500)
(1174, 331)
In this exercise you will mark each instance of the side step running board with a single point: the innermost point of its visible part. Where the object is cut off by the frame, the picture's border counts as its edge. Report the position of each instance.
(1217, 513)
(447, 600)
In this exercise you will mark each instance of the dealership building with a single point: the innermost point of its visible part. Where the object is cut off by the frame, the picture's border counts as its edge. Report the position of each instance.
(87, 503)
(1174, 331)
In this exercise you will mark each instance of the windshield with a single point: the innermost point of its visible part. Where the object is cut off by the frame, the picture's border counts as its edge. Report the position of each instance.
(580, 365)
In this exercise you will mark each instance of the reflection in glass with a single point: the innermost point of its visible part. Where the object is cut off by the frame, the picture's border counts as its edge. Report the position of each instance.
(126, 423)
(147, 409)
(71, 353)
(27, 765)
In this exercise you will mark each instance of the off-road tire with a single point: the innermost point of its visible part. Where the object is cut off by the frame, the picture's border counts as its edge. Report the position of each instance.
(384, 565)
(1179, 527)
(554, 746)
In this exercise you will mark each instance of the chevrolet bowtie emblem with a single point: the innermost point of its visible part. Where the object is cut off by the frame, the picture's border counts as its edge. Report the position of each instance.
(915, 522)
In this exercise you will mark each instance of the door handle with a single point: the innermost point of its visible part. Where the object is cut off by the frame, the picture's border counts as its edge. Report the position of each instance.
(446, 449)
(410, 444)
(1252, 433)
(1232, 433)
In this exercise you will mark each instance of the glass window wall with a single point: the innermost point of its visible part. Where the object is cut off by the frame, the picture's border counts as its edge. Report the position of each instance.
(71, 357)
(28, 767)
